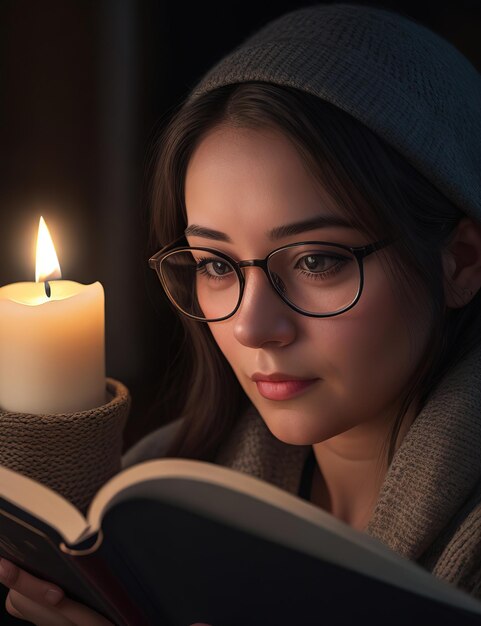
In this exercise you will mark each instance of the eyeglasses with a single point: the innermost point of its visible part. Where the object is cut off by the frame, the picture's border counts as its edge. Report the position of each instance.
(314, 278)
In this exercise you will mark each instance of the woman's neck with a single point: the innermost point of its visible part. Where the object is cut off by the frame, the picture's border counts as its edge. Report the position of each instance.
(350, 497)
(346, 483)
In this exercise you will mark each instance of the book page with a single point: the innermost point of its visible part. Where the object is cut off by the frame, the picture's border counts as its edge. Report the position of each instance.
(43, 503)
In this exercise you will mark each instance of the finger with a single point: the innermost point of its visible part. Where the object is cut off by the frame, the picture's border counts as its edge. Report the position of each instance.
(67, 613)
(36, 589)
(10, 608)
(38, 614)
(82, 615)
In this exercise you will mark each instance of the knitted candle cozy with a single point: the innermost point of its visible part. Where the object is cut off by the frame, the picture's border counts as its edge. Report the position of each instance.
(72, 453)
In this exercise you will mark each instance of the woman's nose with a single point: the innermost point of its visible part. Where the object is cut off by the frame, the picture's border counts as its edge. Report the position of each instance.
(262, 317)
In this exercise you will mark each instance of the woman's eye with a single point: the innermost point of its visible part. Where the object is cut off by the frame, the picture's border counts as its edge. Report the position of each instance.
(218, 267)
(317, 262)
(213, 268)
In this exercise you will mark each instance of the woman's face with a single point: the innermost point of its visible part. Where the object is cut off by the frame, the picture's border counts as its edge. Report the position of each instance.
(244, 183)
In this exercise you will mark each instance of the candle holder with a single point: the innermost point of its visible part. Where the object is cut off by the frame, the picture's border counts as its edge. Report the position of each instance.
(72, 453)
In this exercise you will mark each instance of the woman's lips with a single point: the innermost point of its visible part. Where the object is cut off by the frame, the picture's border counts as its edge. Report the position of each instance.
(284, 389)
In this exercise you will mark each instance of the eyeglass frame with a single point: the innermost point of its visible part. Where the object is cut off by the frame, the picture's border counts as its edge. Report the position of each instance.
(360, 253)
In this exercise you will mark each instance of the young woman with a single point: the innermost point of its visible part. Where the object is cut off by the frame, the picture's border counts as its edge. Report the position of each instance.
(317, 205)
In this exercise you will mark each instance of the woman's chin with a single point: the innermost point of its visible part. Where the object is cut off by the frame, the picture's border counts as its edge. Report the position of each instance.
(294, 427)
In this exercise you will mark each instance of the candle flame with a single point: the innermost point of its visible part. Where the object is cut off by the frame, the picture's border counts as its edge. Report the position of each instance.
(47, 266)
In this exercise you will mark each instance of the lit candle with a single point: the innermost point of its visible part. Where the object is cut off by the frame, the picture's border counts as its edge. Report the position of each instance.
(52, 340)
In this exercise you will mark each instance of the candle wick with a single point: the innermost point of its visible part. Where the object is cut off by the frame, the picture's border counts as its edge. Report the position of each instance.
(47, 289)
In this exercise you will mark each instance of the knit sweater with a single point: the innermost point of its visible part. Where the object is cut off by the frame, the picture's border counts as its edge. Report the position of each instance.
(429, 504)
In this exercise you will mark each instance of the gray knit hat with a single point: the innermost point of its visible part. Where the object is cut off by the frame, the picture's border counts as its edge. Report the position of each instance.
(406, 83)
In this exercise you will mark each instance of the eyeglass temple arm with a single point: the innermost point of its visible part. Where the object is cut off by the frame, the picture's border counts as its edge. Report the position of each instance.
(172, 244)
(377, 245)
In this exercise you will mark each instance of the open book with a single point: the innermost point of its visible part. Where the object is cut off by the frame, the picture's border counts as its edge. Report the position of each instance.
(174, 541)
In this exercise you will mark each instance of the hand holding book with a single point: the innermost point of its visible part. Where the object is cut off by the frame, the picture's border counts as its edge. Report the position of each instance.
(41, 602)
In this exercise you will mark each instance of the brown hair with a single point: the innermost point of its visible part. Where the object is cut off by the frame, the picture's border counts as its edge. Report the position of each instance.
(378, 189)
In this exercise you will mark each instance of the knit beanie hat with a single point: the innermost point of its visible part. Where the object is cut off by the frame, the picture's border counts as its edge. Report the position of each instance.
(407, 84)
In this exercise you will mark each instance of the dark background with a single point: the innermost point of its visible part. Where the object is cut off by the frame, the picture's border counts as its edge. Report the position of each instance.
(85, 87)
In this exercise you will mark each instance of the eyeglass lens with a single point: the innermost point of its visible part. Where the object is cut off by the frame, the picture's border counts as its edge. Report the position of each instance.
(316, 278)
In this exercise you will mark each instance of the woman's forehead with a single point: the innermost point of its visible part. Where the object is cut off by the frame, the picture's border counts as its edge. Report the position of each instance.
(255, 180)
(246, 162)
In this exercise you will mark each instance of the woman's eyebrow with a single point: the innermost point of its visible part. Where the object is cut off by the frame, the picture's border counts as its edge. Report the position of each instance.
(279, 232)
(320, 221)
(207, 233)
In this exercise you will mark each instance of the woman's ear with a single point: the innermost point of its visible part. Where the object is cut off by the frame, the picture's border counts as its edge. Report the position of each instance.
(462, 263)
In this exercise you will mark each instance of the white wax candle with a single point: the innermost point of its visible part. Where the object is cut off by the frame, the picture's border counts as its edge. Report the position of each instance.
(52, 354)
(52, 345)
